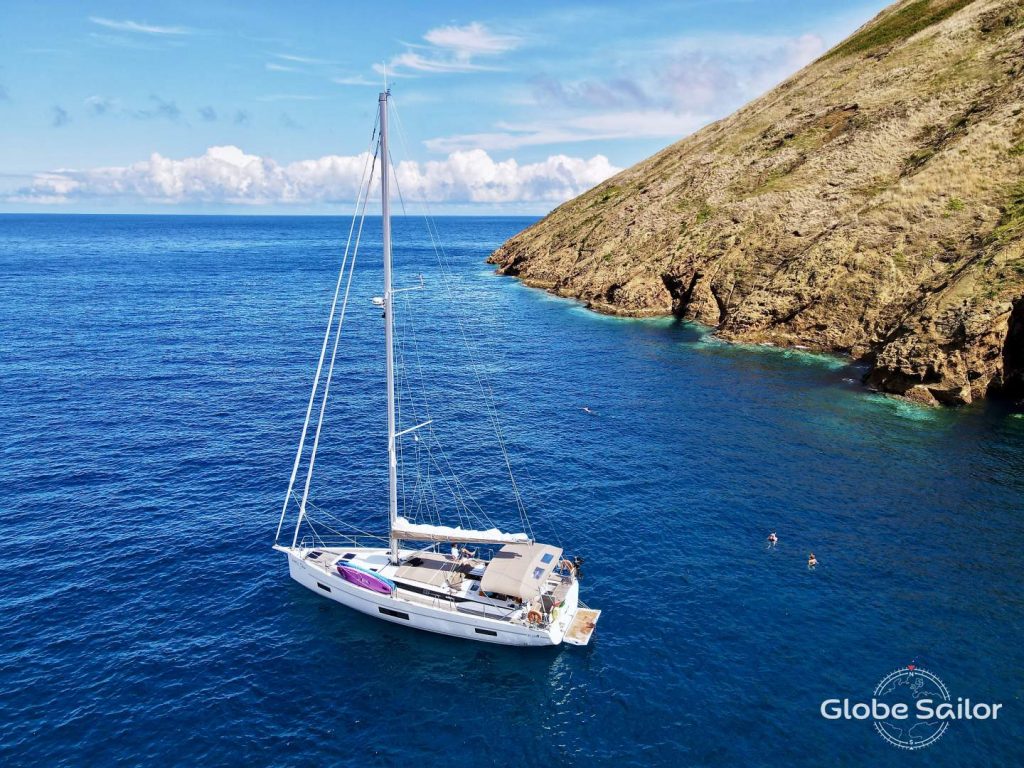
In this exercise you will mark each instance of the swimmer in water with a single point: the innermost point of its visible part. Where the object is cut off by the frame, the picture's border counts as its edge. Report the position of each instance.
(811, 561)
(772, 540)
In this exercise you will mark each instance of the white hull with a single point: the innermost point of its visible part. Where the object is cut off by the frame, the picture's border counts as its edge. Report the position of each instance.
(429, 614)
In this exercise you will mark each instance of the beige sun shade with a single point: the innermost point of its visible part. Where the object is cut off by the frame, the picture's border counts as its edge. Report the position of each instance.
(520, 569)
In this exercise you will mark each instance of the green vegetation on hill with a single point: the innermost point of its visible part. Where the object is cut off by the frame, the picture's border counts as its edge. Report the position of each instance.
(898, 25)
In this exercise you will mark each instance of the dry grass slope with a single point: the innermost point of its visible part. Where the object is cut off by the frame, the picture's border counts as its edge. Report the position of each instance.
(872, 204)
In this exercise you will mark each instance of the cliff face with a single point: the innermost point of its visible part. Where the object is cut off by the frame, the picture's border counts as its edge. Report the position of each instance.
(872, 204)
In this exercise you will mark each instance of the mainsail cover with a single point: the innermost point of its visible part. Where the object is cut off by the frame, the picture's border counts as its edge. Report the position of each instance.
(409, 531)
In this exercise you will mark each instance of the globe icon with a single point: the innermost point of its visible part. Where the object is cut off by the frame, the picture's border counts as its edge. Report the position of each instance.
(907, 686)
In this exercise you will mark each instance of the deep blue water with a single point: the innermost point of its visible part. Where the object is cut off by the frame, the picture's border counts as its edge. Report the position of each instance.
(154, 373)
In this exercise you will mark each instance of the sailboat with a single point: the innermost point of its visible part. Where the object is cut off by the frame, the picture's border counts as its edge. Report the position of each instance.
(510, 590)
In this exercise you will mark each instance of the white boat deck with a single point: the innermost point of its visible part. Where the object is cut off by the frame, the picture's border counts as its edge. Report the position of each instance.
(434, 579)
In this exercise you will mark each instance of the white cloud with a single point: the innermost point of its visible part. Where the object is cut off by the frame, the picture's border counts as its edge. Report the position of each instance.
(473, 176)
(229, 175)
(299, 59)
(402, 64)
(471, 40)
(356, 80)
(451, 49)
(140, 27)
(723, 72)
(667, 89)
(601, 126)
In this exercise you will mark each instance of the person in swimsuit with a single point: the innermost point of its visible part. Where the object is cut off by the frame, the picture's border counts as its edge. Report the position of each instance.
(811, 561)
(772, 540)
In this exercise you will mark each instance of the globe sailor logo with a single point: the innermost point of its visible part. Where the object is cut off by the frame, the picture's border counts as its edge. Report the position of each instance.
(911, 685)
(911, 708)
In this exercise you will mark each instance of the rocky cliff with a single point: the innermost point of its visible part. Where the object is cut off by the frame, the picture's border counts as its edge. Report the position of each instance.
(872, 204)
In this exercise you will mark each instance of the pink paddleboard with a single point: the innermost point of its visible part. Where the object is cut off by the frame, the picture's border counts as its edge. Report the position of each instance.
(366, 579)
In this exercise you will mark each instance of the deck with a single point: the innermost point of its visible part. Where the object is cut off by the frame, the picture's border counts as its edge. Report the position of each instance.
(582, 627)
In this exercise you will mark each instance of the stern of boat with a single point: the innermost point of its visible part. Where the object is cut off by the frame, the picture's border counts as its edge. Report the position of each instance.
(581, 629)
(573, 623)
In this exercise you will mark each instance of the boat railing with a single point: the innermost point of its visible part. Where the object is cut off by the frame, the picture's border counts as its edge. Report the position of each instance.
(336, 541)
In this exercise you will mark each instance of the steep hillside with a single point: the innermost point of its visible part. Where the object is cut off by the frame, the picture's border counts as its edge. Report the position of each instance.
(872, 204)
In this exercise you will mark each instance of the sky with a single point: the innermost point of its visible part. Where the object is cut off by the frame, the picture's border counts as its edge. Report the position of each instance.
(217, 107)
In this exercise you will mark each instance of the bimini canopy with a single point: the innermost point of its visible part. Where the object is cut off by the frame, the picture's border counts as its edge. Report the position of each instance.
(520, 570)
(403, 529)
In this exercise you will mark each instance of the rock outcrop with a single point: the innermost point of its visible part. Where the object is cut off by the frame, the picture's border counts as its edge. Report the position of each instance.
(872, 204)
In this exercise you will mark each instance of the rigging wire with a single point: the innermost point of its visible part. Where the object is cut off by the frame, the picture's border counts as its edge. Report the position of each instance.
(330, 368)
(445, 267)
(453, 480)
(458, 490)
(327, 334)
(438, 465)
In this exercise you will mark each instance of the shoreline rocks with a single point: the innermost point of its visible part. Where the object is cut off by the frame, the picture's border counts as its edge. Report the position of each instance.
(872, 206)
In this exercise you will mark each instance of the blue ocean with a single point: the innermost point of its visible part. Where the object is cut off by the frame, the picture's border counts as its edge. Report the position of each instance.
(154, 374)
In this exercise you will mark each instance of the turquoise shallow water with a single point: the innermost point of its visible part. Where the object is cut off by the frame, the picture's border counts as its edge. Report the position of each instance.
(154, 372)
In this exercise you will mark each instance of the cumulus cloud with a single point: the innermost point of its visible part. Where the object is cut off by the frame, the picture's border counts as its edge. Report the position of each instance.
(451, 49)
(228, 175)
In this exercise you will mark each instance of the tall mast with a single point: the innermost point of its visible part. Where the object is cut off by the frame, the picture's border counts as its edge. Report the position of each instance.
(389, 324)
